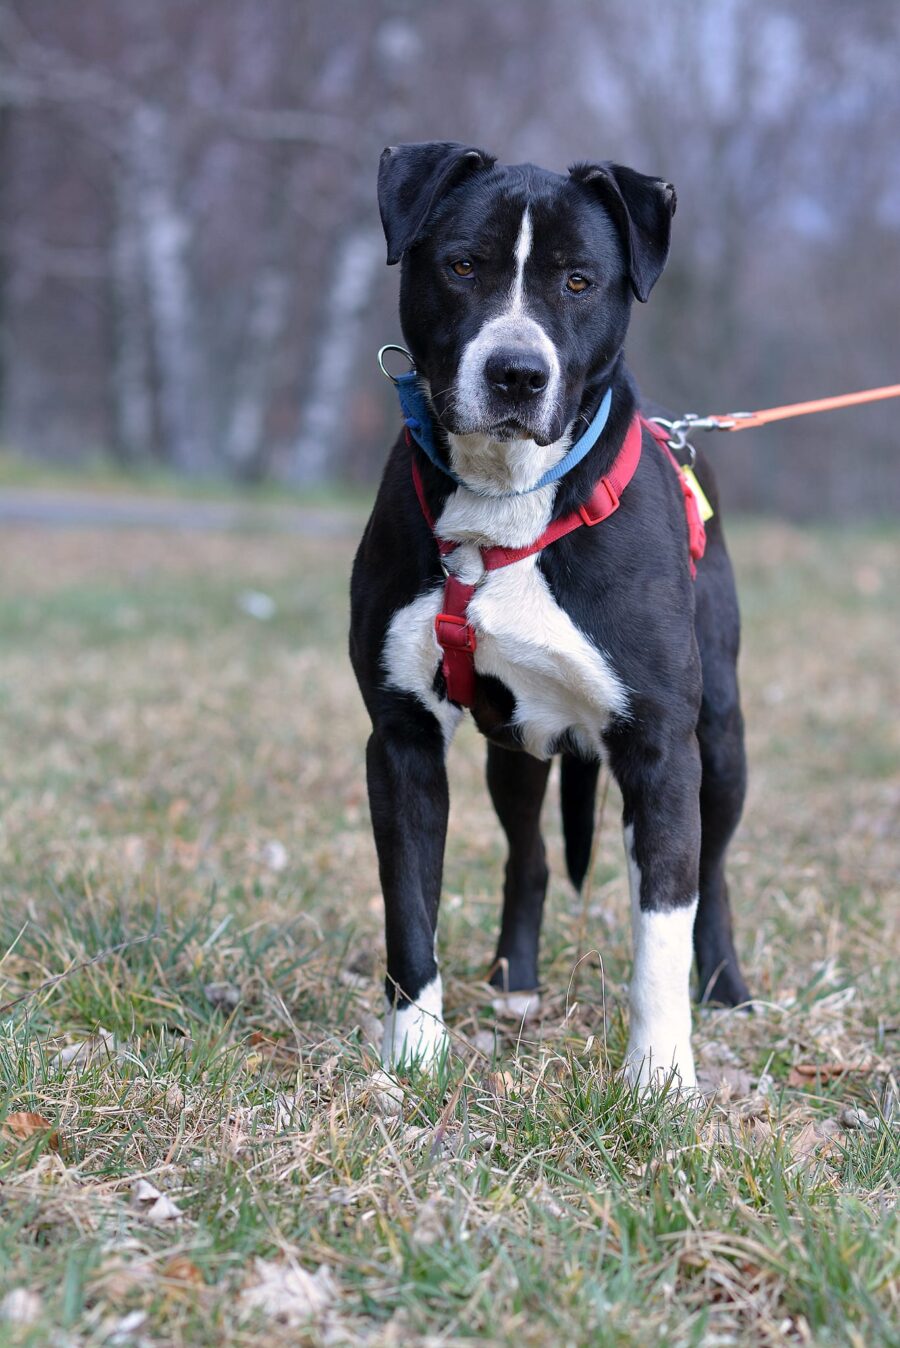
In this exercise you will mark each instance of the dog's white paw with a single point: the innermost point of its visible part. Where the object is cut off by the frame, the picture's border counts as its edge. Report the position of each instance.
(649, 1064)
(520, 1006)
(381, 1093)
(415, 1035)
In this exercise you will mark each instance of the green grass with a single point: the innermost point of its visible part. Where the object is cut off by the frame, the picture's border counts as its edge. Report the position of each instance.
(189, 893)
(101, 474)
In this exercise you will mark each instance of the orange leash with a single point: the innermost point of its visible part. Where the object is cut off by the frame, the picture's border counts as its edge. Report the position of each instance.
(742, 421)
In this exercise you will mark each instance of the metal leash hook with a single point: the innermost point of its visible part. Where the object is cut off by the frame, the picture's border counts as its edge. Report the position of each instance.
(677, 440)
(392, 346)
(680, 429)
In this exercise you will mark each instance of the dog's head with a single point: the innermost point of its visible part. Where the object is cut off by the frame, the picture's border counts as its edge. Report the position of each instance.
(517, 282)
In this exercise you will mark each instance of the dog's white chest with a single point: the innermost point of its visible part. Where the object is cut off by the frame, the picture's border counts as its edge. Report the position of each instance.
(560, 681)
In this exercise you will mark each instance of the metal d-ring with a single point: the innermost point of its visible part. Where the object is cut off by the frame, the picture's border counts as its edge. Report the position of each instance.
(392, 346)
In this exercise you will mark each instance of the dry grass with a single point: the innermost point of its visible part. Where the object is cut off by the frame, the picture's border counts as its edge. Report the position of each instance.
(185, 782)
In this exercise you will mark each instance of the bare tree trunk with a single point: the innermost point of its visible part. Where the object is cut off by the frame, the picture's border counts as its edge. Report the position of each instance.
(184, 404)
(358, 260)
(244, 449)
(131, 368)
(4, 265)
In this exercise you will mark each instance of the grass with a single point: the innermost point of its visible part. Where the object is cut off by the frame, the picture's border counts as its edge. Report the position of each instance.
(101, 475)
(191, 921)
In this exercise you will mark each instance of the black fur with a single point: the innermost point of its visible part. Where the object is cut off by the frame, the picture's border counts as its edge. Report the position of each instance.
(625, 583)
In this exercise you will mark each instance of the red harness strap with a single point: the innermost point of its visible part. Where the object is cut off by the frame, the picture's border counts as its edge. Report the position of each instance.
(456, 635)
(696, 531)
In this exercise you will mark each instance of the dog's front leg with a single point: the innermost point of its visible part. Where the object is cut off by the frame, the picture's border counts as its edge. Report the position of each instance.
(662, 843)
(408, 799)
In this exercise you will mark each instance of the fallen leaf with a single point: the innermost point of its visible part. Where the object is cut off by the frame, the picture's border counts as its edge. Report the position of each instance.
(101, 1042)
(502, 1084)
(751, 1131)
(287, 1293)
(177, 810)
(430, 1225)
(122, 1330)
(21, 1126)
(274, 854)
(187, 853)
(277, 1051)
(180, 1269)
(853, 1116)
(818, 1074)
(154, 1205)
(351, 979)
(727, 1080)
(20, 1306)
(223, 996)
(134, 851)
(814, 1140)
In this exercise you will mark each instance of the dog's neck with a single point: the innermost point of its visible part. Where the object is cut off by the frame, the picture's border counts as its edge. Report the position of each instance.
(498, 468)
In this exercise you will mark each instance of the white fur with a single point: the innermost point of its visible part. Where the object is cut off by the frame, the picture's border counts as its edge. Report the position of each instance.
(521, 1006)
(523, 252)
(503, 521)
(495, 467)
(512, 327)
(415, 1033)
(660, 1033)
(411, 655)
(559, 678)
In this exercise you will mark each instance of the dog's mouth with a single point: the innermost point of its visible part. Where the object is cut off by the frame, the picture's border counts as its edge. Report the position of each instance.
(507, 431)
(511, 428)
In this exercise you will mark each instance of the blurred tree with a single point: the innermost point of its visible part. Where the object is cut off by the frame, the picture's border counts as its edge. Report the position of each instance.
(191, 264)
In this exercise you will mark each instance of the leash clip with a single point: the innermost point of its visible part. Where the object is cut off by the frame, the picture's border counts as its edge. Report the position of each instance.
(681, 428)
(677, 440)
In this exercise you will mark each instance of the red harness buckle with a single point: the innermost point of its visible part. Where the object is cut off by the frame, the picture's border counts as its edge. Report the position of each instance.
(603, 502)
(455, 633)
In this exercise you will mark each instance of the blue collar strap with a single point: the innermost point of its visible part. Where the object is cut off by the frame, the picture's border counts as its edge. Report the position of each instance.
(417, 419)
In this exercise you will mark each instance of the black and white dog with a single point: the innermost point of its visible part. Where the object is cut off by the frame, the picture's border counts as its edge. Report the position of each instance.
(515, 296)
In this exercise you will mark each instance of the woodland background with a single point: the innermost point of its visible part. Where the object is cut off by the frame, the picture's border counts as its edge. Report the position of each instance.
(192, 269)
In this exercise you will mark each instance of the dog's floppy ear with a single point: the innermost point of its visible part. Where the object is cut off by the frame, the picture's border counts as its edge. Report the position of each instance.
(412, 179)
(642, 208)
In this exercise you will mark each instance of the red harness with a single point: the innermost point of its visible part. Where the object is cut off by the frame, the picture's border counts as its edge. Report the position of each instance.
(455, 634)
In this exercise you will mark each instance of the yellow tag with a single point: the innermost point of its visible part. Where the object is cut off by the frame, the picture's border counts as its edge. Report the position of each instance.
(706, 510)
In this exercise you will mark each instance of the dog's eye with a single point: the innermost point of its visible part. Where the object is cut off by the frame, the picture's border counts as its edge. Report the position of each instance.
(576, 283)
(463, 266)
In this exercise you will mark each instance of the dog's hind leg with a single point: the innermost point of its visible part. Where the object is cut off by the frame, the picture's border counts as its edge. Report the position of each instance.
(409, 801)
(517, 783)
(720, 732)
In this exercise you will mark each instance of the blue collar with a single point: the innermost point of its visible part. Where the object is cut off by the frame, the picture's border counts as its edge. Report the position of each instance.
(417, 418)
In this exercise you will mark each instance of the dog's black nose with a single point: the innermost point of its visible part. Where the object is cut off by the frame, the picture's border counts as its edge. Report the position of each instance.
(517, 373)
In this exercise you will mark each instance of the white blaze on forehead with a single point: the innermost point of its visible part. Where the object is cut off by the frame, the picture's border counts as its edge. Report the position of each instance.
(523, 250)
(511, 327)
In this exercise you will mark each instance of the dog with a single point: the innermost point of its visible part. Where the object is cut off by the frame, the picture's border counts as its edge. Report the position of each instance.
(596, 645)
